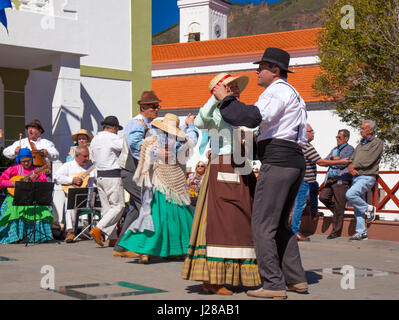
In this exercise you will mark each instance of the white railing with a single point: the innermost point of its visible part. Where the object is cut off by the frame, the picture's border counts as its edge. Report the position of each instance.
(383, 195)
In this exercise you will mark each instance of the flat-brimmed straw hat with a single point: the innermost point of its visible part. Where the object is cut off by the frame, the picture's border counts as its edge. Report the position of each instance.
(170, 124)
(74, 137)
(226, 78)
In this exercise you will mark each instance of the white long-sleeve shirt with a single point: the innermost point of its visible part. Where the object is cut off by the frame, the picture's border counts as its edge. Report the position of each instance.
(106, 148)
(52, 153)
(283, 113)
(65, 173)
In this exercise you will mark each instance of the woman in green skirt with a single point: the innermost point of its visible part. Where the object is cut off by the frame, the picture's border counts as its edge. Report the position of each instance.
(164, 224)
(17, 222)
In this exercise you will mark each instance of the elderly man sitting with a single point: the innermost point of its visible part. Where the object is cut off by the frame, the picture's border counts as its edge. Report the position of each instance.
(364, 169)
(70, 174)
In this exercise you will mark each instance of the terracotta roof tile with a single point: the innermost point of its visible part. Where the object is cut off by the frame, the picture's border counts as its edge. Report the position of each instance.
(237, 46)
(192, 91)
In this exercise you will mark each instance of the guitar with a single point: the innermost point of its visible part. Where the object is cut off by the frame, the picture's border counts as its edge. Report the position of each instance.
(85, 176)
(38, 159)
(45, 168)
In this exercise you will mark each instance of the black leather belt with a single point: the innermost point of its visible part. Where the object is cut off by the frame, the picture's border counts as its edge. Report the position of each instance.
(115, 173)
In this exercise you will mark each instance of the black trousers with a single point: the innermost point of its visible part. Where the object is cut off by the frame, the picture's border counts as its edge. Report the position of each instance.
(276, 247)
(135, 199)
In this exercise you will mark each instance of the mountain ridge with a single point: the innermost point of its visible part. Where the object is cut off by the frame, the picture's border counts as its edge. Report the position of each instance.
(251, 19)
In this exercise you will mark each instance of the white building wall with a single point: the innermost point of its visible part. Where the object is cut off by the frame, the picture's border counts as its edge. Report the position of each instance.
(189, 15)
(218, 16)
(105, 97)
(48, 30)
(38, 99)
(109, 34)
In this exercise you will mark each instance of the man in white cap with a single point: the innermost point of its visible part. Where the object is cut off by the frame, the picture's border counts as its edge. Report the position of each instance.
(280, 113)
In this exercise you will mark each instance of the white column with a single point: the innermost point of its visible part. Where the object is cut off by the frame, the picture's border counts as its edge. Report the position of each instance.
(67, 111)
(67, 106)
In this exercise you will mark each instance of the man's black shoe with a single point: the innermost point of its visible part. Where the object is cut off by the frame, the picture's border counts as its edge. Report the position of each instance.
(332, 236)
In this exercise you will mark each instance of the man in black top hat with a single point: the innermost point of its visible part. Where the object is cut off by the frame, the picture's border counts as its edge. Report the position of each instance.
(280, 113)
(106, 147)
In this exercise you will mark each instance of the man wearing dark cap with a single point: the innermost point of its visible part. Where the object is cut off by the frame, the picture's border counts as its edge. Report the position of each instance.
(133, 136)
(280, 113)
(106, 147)
(35, 130)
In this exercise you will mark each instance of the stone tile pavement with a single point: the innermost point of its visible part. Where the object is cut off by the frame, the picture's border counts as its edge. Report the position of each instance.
(83, 270)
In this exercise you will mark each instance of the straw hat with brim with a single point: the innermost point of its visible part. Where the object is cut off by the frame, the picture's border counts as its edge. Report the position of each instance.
(277, 56)
(148, 97)
(35, 124)
(170, 124)
(111, 121)
(74, 137)
(227, 78)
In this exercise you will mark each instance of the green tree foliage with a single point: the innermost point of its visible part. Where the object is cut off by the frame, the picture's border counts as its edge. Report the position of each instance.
(360, 65)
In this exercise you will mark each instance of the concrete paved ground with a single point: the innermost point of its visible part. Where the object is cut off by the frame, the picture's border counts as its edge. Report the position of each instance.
(376, 265)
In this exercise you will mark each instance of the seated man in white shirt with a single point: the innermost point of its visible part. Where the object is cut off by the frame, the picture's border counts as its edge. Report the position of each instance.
(70, 174)
(34, 140)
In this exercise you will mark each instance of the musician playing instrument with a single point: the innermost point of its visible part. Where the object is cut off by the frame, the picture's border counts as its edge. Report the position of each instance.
(17, 221)
(72, 173)
(44, 150)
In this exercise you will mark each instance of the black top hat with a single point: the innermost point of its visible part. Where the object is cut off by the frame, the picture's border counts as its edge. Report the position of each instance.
(111, 121)
(277, 56)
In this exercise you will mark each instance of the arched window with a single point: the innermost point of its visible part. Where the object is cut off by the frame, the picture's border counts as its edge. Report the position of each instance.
(194, 32)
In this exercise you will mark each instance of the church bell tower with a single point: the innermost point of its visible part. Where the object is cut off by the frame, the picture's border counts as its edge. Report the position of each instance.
(203, 19)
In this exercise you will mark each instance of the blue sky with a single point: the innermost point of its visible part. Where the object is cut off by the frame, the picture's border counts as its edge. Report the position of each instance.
(166, 13)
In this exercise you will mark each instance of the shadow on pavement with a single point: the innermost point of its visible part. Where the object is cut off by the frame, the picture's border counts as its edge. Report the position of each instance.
(313, 277)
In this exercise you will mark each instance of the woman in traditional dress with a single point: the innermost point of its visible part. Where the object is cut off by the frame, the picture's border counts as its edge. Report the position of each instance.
(164, 224)
(221, 249)
(16, 222)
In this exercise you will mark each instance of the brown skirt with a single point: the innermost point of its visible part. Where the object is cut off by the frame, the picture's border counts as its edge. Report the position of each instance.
(221, 248)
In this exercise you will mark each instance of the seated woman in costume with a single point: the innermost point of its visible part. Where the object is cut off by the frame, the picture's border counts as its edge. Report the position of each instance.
(164, 224)
(16, 222)
(221, 250)
(81, 138)
(194, 181)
